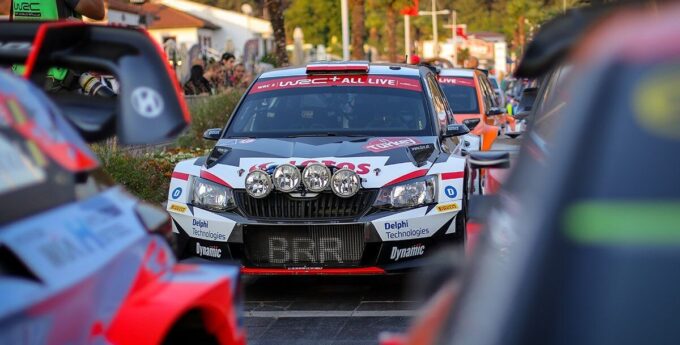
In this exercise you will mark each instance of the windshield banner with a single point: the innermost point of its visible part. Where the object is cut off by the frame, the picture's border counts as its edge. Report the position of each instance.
(457, 81)
(337, 80)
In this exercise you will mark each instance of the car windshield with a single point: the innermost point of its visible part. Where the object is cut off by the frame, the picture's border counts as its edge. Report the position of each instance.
(332, 111)
(462, 98)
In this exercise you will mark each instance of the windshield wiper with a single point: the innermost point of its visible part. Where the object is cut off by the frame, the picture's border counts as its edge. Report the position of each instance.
(325, 134)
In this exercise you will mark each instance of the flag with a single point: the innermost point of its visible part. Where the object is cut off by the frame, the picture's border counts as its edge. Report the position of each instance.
(410, 10)
(461, 31)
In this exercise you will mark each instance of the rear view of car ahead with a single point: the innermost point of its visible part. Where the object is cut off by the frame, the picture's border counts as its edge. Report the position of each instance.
(82, 261)
(330, 169)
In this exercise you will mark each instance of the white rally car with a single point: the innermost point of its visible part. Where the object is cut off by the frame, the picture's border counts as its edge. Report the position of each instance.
(337, 168)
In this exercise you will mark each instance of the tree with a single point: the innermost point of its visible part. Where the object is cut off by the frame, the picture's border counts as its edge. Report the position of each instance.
(319, 20)
(275, 8)
(358, 30)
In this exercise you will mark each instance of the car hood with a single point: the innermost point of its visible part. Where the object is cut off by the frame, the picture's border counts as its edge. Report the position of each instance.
(379, 160)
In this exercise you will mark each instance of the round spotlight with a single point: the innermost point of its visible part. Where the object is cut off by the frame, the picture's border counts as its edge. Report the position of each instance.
(345, 183)
(316, 177)
(258, 184)
(286, 178)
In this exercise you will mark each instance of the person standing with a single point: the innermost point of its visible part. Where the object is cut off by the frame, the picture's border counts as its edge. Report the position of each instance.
(228, 60)
(197, 84)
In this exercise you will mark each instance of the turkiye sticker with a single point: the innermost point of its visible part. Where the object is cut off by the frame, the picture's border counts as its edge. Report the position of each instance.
(384, 144)
(147, 102)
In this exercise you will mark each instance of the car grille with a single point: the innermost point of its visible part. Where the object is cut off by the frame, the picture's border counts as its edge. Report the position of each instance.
(304, 245)
(278, 205)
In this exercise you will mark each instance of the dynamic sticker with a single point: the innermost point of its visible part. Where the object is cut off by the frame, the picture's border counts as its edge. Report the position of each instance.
(384, 144)
(336, 80)
(210, 251)
(457, 81)
(403, 253)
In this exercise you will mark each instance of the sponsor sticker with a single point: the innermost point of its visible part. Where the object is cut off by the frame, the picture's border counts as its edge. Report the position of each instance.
(200, 229)
(400, 230)
(178, 208)
(177, 193)
(447, 207)
(384, 144)
(337, 80)
(209, 251)
(246, 141)
(451, 192)
(403, 253)
(457, 81)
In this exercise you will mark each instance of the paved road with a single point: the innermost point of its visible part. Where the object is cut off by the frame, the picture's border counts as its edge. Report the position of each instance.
(325, 310)
(329, 310)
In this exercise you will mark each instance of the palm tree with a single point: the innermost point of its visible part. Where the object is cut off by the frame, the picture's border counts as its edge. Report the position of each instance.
(358, 29)
(275, 8)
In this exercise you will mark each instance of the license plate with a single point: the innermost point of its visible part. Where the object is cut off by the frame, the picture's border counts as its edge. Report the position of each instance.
(284, 250)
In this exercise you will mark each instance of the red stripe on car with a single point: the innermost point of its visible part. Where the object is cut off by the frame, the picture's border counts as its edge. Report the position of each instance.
(453, 175)
(411, 175)
(181, 176)
(210, 177)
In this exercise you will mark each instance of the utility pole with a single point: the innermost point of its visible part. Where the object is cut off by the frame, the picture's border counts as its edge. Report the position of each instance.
(344, 11)
(454, 36)
(407, 37)
(435, 34)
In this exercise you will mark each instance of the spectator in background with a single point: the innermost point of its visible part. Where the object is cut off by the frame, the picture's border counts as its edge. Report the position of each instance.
(197, 84)
(215, 75)
(239, 78)
(228, 60)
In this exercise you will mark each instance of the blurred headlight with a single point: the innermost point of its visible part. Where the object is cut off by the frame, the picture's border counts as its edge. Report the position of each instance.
(211, 196)
(316, 177)
(286, 178)
(258, 184)
(345, 183)
(417, 192)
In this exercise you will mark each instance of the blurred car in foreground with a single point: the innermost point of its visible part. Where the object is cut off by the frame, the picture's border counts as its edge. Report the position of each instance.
(589, 253)
(81, 260)
(333, 168)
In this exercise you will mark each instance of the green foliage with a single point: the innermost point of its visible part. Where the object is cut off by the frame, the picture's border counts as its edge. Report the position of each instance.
(148, 175)
(319, 21)
(206, 113)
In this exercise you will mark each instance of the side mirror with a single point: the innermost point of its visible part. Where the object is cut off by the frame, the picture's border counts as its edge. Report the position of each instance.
(489, 159)
(455, 130)
(493, 111)
(212, 134)
(471, 123)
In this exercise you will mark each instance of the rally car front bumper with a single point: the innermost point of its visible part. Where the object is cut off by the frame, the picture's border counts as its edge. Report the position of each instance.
(375, 241)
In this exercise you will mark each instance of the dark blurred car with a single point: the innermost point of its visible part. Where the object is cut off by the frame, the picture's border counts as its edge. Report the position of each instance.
(583, 244)
(81, 260)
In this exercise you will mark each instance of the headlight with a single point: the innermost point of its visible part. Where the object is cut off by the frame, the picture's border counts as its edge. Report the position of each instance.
(286, 178)
(345, 183)
(211, 196)
(411, 193)
(316, 177)
(258, 184)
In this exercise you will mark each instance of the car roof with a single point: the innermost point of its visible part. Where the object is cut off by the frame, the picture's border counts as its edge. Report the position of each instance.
(374, 69)
(457, 72)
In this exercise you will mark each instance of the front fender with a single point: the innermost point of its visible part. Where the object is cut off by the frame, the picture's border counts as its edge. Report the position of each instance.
(151, 312)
